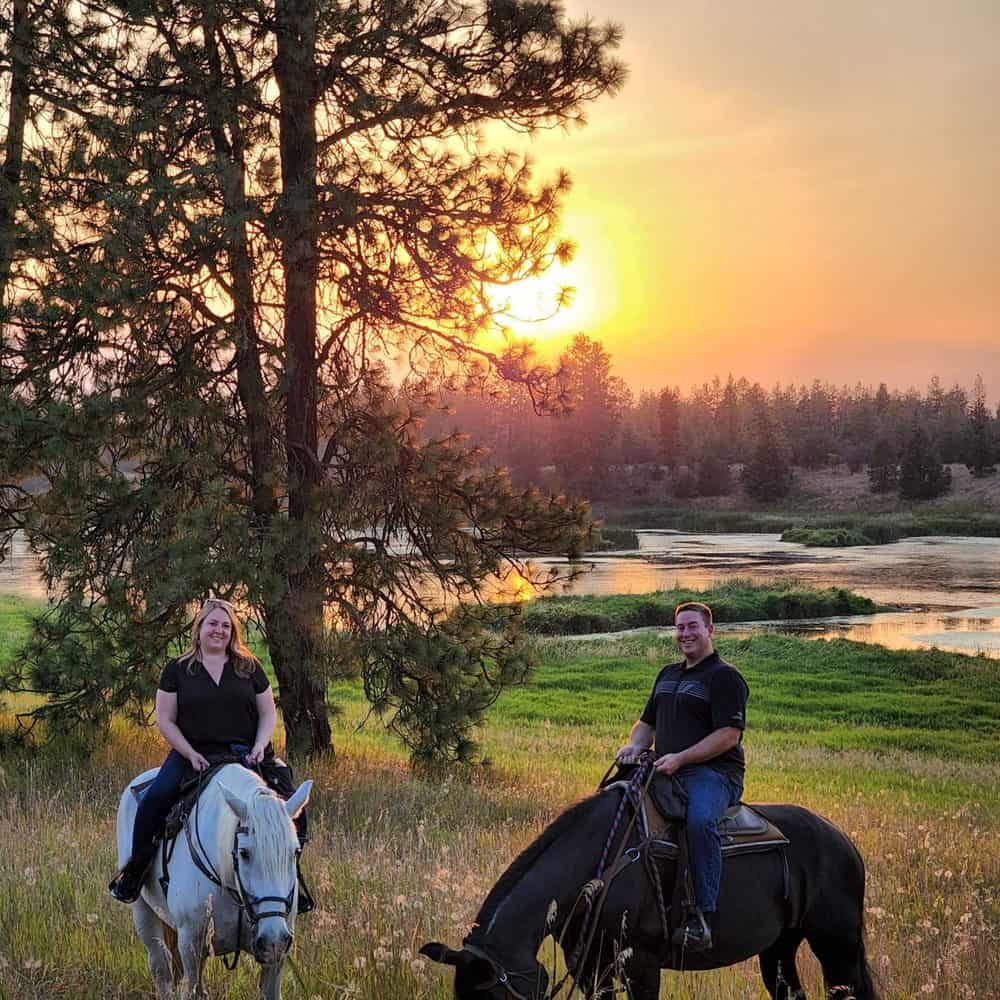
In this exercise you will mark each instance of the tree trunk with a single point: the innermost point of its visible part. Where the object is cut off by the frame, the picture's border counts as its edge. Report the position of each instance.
(296, 626)
(10, 176)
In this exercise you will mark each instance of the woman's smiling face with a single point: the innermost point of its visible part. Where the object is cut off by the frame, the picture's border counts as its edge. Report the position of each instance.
(216, 631)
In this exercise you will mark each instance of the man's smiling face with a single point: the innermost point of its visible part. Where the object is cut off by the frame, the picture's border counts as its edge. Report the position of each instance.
(694, 636)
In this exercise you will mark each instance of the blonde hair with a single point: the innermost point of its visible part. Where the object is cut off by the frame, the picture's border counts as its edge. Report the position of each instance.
(244, 662)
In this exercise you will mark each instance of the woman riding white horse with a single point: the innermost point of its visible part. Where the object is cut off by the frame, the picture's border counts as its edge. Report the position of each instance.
(214, 700)
(233, 882)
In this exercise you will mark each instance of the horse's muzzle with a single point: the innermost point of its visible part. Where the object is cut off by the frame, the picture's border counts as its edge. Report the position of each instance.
(269, 948)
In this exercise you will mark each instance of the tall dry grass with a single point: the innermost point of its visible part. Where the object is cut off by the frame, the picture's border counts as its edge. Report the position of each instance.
(398, 860)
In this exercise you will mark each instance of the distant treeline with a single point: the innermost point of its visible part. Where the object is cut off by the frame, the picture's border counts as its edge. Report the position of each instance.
(727, 434)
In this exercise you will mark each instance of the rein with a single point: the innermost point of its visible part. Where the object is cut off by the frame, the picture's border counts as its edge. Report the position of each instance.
(599, 886)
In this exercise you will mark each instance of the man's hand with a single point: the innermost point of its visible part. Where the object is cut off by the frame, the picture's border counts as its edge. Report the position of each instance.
(629, 754)
(197, 761)
(256, 755)
(668, 763)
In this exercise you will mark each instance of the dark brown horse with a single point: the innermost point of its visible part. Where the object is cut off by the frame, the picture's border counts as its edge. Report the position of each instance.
(763, 911)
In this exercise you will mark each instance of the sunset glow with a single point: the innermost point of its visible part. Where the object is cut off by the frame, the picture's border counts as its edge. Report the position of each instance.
(749, 205)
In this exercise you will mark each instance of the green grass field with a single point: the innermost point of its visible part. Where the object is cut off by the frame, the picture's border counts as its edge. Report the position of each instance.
(899, 748)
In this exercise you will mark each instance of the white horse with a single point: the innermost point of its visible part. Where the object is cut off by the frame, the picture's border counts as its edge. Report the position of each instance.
(241, 834)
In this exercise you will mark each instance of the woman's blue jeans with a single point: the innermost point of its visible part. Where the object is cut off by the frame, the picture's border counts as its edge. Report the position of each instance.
(157, 800)
(710, 794)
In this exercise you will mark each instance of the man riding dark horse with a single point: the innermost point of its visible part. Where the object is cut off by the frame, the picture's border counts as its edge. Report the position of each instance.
(696, 714)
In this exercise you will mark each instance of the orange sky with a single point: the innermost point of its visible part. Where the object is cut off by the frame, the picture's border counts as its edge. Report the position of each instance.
(789, 190)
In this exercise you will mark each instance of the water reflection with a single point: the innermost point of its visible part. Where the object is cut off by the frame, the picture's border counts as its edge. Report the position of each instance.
(952, 584)
(19, 570)
(948, 573)
(940, 579)
(976, 631)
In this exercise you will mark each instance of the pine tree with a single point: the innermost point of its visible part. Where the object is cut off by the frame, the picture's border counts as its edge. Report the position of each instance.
(668, 416)
(980, 452)
(585, 436)
(249, 215)
(713, 471)
(767, 475)
(883, 467)
(921, 474)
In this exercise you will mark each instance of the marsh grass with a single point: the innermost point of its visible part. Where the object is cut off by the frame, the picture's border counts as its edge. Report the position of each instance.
(737, 600)
(399, 858)
(876, 528)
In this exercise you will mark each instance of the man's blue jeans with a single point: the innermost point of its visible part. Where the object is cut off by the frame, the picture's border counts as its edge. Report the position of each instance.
(710, 794)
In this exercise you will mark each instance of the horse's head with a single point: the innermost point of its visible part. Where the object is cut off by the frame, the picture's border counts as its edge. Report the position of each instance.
(265, 855)
(481, 976)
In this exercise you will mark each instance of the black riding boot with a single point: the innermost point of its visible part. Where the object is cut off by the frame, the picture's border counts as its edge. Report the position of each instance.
(695, 935)
(305, 901)
(127, 884)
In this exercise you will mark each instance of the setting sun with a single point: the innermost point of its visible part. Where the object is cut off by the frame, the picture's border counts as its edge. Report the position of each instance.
(576, 297)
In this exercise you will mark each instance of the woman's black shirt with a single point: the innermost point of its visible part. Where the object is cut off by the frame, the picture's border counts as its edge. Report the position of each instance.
(214, 716)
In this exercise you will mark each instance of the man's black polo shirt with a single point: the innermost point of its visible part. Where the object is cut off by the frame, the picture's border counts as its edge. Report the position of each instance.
(212, 716)
(688, 704)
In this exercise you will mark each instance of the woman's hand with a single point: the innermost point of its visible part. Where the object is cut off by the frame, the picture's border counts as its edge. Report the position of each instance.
(256, 754)
(198, 762)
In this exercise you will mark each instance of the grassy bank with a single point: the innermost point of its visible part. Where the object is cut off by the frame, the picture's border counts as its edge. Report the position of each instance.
(864, 529)
(899, 749)
(735, 601)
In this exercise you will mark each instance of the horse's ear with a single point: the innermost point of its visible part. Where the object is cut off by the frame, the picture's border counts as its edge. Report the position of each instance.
(298, 801)
(234, 802)
(441, 953)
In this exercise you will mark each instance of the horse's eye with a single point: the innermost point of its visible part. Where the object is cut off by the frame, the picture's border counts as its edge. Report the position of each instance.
(245, 853)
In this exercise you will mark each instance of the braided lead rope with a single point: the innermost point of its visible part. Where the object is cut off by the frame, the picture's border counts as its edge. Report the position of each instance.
(634, 792)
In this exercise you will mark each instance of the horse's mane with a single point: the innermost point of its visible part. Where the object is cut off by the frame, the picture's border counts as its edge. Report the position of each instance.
(520, 866)
(271, 824)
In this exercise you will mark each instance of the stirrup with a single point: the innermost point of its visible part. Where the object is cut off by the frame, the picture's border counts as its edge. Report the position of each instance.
(694, 935)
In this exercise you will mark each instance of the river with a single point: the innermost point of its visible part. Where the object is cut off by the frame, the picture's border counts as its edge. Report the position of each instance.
(947, 589)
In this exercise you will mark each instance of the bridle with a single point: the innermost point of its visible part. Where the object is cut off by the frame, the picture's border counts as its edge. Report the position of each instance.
(245, 902)
(501, 977)
(610, 866)
(248, 904)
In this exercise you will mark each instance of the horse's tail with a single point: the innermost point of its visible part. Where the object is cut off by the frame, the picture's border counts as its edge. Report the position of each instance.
(170, 941)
